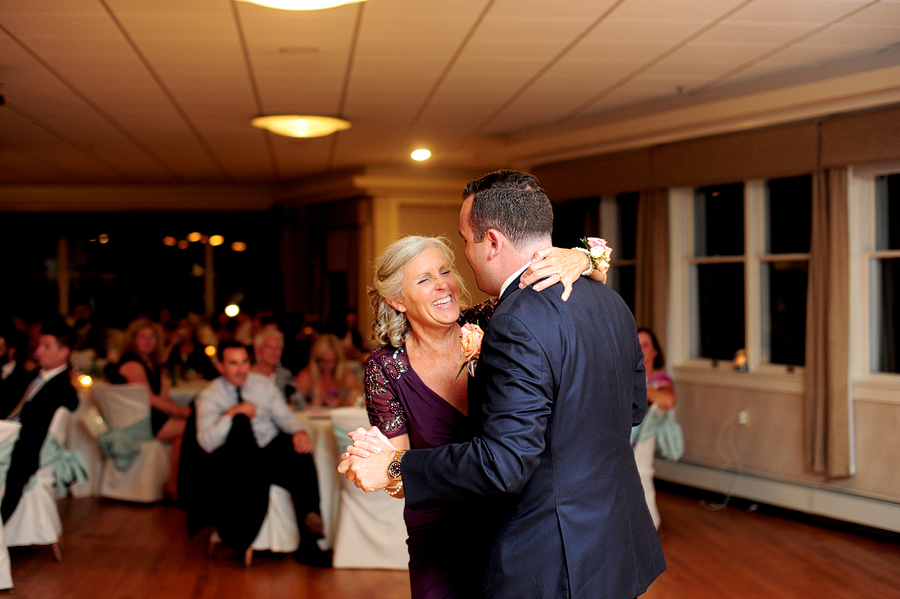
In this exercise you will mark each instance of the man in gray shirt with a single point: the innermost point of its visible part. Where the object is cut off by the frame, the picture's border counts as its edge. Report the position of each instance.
(254, 440)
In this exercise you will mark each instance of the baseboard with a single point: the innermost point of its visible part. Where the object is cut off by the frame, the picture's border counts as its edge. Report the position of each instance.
(837, 505)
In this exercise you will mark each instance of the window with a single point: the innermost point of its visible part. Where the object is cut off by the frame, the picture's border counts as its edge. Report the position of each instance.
(746, 250)
(785, 269)
(884, 276)
(622, 273)
(718, 271)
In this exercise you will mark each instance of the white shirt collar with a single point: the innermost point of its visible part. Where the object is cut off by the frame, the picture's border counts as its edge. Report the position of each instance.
(46, 375)
(7, 369)
(514, 276)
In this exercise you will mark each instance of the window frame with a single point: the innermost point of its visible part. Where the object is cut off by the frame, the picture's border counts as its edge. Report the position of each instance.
(882, 387)
(610, 229)
(684, 305)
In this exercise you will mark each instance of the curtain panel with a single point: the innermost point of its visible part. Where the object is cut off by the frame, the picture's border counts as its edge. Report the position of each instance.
(827, 406)
(651, 293)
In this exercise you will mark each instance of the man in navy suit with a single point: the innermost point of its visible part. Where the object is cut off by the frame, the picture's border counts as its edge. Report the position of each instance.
(557, 389)
(50, 390)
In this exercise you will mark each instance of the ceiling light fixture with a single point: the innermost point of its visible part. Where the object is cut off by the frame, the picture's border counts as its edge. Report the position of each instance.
(302, 4)
(421, 154)
(295, 125)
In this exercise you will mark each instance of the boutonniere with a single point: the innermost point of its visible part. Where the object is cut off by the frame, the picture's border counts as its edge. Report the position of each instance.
(470, 336)
(598, 252)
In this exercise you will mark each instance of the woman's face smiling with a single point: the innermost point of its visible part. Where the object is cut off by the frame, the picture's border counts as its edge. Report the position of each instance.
(430, 290)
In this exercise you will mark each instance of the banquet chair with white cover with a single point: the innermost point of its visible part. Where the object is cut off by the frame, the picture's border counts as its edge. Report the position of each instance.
(279, 532)
(83, 439)
(140, 474)
(9, 432)
(36, 520)
(370, 531)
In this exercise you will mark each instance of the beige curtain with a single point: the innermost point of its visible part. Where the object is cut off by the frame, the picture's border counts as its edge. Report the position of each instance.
(827, 409)
(652, 262)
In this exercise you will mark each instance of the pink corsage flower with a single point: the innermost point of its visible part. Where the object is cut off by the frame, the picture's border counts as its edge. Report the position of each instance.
(470, 336)
(599, 252)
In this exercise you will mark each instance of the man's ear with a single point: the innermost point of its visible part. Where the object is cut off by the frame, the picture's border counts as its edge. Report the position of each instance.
(219, 367)
(494, 241)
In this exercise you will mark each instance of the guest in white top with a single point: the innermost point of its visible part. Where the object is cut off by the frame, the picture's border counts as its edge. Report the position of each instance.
(255, 441)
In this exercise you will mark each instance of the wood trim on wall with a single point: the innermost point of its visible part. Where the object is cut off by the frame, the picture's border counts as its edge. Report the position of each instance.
(780, 151)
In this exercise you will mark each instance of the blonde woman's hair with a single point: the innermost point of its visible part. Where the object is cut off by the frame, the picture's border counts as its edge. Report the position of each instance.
(320, 347)
(391, 326)
(139, 324)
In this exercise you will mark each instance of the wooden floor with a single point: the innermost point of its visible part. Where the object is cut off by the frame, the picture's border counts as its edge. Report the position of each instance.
(121, 551)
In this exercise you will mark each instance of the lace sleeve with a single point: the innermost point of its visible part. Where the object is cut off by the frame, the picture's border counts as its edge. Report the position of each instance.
(479, 314)
(385, 410)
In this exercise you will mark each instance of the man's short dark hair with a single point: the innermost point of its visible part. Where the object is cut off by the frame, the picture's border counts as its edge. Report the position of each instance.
(58, 328)
(229, 344)
(511, 202)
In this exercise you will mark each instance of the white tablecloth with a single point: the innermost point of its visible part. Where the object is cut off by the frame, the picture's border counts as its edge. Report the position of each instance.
(9, 432)
(325, 456)
(185, 391)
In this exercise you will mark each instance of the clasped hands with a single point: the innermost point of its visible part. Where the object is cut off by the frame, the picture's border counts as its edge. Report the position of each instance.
(365, 463)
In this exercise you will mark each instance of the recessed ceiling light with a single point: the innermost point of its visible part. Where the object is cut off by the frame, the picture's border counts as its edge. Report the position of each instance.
(302, 4)
(295, 125)
(421, 154)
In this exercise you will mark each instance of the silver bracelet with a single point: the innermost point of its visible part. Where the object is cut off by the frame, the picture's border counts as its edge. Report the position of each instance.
(590, 268)
(395, 490)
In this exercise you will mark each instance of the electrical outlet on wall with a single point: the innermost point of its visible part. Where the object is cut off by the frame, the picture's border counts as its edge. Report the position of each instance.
(743, 417)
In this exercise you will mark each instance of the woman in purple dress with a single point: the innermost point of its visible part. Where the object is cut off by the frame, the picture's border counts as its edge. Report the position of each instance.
(416, 393)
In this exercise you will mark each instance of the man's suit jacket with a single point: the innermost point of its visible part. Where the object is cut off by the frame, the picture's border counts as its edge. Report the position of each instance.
(13, 387)
(558, 387)
(35, 417)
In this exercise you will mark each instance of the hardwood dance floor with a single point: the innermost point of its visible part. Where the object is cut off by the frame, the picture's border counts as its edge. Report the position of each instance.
(121, 551)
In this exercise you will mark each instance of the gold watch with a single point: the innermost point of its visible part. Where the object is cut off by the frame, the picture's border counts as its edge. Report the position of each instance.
(394, 466)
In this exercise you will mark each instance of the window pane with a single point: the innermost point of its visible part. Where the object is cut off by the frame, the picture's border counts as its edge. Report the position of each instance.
(789, 211)
(627, 204)
(719, 220)
(623, 282)
(720, 293)
(887, 212)
(787, 312)
(886, 315)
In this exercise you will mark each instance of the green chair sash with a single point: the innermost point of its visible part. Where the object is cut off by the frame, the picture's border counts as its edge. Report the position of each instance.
(123, 445)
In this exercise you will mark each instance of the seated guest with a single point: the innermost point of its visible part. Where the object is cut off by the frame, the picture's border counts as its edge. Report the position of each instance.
(13, 376)
(141, 364)
(268, 346)
(187, 359)
(47, 392)
(660, 399)
(327, 381)
(255, 441)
